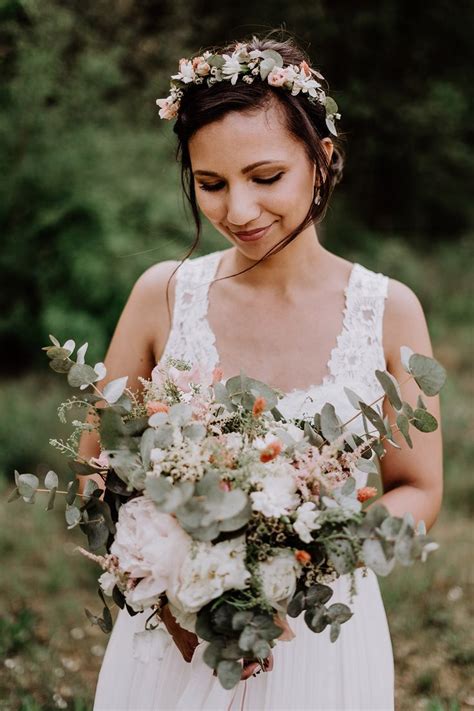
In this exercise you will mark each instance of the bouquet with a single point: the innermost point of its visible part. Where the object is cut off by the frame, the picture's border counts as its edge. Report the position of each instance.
(218, 506)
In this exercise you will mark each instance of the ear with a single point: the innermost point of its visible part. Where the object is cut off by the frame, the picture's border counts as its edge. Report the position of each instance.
(328, 146)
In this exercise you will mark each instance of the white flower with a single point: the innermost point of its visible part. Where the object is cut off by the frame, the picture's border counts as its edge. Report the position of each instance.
(279, 575)
(232, 67)
(207, 571)
(277, 496)
(262, 443)
(186, 71)
(306, 521)
(107, 582)
(149, 545)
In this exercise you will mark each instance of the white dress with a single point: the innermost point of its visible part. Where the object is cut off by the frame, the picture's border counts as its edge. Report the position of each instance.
(144, 671)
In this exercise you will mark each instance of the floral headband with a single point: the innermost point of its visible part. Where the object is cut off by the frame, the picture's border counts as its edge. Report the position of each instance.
(267, 64)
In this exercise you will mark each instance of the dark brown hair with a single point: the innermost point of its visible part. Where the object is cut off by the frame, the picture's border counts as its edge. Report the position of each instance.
(305, 120)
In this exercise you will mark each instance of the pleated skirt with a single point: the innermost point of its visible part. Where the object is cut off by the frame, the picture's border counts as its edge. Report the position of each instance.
(144, 671)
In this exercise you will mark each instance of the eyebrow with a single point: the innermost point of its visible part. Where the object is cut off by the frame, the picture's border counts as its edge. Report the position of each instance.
(245, 170)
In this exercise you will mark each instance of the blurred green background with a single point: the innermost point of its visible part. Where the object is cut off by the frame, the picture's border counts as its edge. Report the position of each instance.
(90, 197)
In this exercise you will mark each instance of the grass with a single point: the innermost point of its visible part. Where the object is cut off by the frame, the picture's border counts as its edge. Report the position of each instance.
(51, 654)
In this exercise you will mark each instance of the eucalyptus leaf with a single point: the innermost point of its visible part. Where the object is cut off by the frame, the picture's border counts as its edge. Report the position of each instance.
(338, 612)
(61, 365)
(330, 105)
(51, 480)
(312, 435)
(373, 417)
(80, 375)
(316, 618)
(318, 594)
(424, 421)
(353, 398)
(241, 618)
(248, 637)
(72, 489)
(261, 649)
(404, 427)
(266, 67)
(330, 422)
(73, 516)
(420, 403)
(429, 375)
(229, 673)
(212, 655)
(272, 54)
(368, 466)
(114, 390)
(334, 631)
(349, 485)
(374, 557)
(27, 485)
(391, 388)
(297, 604)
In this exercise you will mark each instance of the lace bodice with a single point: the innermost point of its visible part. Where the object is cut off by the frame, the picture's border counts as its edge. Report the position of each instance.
(352, 363)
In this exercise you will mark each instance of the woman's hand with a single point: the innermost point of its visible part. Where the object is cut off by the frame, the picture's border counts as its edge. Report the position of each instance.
(185, 641)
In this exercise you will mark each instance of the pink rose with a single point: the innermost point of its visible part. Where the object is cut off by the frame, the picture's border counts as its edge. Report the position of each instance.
(277, 77)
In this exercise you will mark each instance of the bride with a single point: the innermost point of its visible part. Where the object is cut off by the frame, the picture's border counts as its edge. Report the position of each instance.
(260, 162)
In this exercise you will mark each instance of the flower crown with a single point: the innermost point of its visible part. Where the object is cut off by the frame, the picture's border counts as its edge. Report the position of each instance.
(266, 64)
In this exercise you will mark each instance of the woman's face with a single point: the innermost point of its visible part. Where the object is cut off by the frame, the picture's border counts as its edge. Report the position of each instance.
(253, 179)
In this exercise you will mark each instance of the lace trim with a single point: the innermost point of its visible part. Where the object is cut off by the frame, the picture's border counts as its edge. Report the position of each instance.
(358, 351)
(191, 337)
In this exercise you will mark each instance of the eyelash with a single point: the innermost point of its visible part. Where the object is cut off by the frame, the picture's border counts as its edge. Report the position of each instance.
(260, 181)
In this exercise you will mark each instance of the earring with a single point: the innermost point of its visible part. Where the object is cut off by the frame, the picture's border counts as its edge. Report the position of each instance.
(317, 196)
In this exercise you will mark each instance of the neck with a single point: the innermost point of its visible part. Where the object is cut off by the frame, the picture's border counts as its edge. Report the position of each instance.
(302, 261)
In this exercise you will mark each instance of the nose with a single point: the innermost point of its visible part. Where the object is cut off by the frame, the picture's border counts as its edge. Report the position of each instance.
(242, 207)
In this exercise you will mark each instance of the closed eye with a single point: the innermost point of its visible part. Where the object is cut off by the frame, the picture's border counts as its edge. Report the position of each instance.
(261, 181)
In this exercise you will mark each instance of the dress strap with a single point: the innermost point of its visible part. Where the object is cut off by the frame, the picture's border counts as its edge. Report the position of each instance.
(190, 337)
(360, 350)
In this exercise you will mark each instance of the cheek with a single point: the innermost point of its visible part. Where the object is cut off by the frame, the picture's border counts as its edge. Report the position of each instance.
(210, 205)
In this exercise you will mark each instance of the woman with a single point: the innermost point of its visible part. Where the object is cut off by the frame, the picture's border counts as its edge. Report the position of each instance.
(260, 162)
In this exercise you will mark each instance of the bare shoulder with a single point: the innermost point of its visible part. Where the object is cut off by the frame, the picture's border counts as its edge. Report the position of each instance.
(404, 322)
(153, 298)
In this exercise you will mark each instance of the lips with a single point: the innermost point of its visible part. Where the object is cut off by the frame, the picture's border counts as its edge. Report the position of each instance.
(252, 235)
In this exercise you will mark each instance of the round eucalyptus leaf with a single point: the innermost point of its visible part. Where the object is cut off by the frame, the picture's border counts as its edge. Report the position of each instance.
(272, 54)
(424, 421)
(51, 480)
(228, 673)
(338, 612)
(330, 105)
(318, 594)
(330, 422)
(81, 375)
(73, 516)
(27, 485)
(316, 618)
(429, 375)
(296, 604)
(114, 390)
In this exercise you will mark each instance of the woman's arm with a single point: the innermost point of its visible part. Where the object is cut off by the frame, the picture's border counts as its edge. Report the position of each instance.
(412, 478)
(137, 343)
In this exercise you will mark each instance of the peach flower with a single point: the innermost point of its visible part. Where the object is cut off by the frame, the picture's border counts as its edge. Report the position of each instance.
(367, 492)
